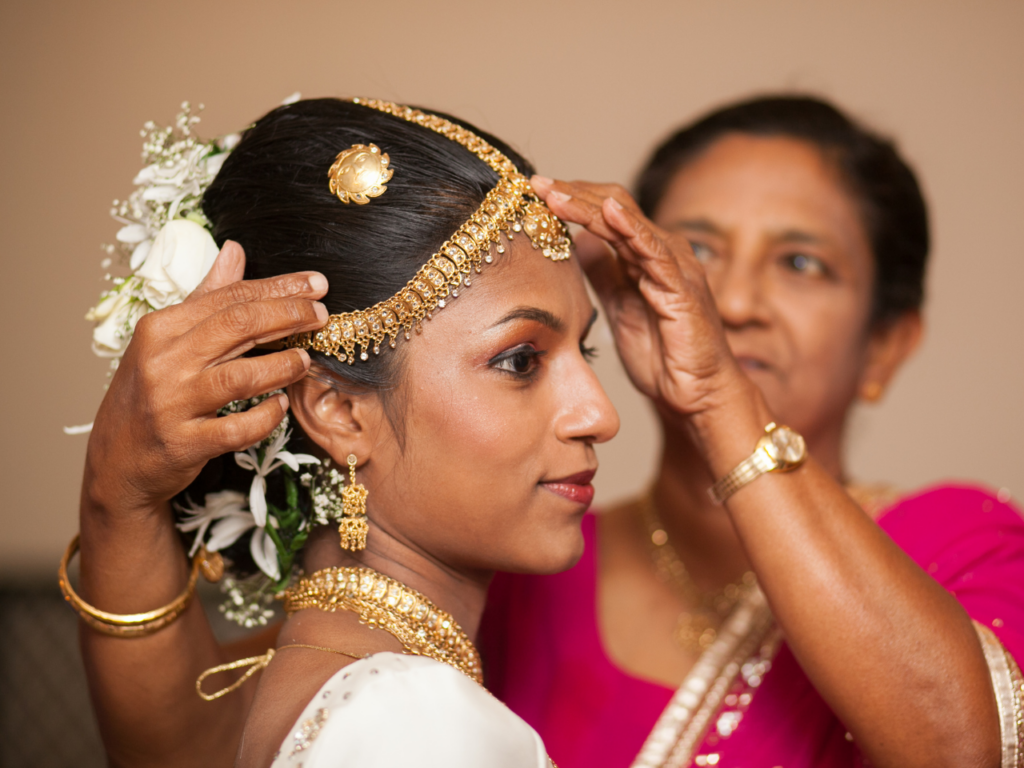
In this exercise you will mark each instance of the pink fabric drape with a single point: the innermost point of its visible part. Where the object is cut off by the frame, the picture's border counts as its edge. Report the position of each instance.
(544, 658)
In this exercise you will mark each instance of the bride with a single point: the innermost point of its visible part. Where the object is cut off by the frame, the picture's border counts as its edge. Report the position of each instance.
(438, 424)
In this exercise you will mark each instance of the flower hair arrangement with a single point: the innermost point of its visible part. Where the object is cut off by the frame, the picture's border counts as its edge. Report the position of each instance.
(269, 526)
(165, 239)
(166, 242)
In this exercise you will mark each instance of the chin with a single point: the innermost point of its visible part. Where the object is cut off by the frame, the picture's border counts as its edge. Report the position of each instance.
(555, 552)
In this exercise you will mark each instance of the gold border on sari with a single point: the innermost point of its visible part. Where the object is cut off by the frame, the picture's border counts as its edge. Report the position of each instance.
(683, 724)
(1008, 686)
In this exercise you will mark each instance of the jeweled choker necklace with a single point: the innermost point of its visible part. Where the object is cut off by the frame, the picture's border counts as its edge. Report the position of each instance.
(381, 602)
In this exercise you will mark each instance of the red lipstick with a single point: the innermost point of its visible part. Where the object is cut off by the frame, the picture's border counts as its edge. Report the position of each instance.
(575, 488)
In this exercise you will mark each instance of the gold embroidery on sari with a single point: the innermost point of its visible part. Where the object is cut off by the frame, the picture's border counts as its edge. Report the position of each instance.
(683, 725)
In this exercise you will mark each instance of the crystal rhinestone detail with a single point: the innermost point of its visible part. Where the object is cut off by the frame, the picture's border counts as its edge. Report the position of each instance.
(308, 730)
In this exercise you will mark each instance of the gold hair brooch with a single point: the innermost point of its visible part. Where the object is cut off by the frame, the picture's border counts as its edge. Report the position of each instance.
(359, 173)
(510, 207)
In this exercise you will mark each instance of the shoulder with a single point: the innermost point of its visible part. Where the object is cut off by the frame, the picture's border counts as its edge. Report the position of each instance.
(970, 540)
(396, 710)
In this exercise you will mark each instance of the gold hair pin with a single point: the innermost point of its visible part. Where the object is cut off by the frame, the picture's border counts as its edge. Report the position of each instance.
(511, 207)
(359, 173)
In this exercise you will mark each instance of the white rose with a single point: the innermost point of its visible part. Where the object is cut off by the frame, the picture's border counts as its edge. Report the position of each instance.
(182, 254)
(116, 316)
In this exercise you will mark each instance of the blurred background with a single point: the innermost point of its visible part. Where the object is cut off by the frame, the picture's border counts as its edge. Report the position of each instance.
(583, 89)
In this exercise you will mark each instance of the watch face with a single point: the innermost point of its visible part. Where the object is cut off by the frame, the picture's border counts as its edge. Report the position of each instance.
(788, 447)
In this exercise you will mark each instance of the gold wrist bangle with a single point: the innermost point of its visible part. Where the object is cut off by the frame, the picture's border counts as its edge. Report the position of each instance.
(129, 624)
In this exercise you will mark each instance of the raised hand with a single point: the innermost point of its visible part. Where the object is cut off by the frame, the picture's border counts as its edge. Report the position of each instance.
(158, 424)
(661, 312)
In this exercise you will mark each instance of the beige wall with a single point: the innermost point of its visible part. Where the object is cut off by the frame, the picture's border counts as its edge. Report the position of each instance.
(584, 89)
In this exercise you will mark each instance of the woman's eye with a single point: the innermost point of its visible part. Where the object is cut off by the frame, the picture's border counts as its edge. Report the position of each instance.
(589, 353)
(521, 361)
(806, 264)
(702, 251)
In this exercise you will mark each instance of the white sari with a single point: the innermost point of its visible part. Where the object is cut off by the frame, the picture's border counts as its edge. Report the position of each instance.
(395, 711)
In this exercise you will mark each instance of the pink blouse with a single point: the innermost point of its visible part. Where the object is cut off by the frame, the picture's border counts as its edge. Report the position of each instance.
(543, 654)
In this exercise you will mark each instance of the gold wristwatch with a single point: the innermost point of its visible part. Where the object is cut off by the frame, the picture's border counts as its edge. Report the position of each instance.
(779, 450)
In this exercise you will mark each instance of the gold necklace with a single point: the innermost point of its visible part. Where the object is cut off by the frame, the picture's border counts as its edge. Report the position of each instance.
(695, 630)
(381, 602)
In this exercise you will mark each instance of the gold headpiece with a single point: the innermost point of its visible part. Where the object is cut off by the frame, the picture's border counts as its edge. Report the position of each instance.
(510, 207)
(359, 173)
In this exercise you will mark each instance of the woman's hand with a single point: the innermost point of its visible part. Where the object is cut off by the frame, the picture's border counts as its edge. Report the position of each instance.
(661, 312)
(158, 424)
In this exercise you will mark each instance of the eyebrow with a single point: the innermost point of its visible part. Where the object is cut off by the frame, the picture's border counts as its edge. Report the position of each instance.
(700, 225)
(535, 314)
(708, 227)
(798, 236)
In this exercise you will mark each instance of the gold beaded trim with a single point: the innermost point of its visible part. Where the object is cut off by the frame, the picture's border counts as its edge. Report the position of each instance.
(381, 602)
(510, 207)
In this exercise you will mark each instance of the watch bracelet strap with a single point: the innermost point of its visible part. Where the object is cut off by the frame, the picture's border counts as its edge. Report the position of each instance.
(751, 468)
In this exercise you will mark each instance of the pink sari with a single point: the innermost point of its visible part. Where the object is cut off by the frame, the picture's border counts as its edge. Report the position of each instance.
(544, 658)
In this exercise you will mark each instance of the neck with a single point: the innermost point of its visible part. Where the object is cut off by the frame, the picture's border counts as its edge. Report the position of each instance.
(700, 530)
(462, 594)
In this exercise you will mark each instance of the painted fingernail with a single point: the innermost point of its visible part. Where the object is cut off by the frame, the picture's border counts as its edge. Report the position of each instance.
(304, 355)
(559, 197)
(317, 282)
(321, 311)
(615, 203)
(542, 180)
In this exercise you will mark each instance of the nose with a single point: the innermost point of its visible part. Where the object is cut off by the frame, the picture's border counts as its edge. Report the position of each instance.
(738, 289)
(589, 416)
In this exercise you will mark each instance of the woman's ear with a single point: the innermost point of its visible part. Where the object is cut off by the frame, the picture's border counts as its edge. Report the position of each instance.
(889, 347)
(340, 423)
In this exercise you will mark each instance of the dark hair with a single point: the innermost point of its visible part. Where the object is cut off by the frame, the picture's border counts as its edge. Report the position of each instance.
(894, 211)
(271, 196)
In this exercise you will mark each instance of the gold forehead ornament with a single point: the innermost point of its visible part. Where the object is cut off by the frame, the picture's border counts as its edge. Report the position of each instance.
(510, 207)
(359, 173)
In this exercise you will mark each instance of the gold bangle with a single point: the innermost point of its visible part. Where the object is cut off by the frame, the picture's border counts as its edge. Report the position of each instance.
(129, 624)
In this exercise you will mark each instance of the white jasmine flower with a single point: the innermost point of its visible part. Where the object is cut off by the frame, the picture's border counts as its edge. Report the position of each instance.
(273, 457)
(264, 553)
(139, 254)
(116, 316)
(222, 506)
(133, 233)
(177, 262)
(228, 530)
(226, 519)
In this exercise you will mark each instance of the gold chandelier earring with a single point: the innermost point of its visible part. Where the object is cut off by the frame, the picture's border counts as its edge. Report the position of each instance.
(353, 526)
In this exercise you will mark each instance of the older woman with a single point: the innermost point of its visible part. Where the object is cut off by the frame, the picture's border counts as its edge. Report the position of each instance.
(770, 276)
(812, 236)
